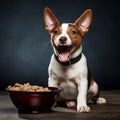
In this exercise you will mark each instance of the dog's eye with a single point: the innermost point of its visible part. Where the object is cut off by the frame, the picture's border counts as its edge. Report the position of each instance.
(73, 32)
(55, 31)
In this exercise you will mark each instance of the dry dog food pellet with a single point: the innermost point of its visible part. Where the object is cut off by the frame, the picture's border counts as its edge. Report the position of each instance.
(28, 88)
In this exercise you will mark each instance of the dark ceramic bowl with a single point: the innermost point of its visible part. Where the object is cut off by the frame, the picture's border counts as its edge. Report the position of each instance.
(34, 102)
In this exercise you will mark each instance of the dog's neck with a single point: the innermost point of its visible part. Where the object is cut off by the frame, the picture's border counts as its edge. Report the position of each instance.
(74, 58)
(77, 52)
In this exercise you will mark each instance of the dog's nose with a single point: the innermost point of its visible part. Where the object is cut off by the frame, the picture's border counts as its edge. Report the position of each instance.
(63, 40)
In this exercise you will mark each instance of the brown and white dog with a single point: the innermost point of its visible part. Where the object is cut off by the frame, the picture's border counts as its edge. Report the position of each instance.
(68, 68)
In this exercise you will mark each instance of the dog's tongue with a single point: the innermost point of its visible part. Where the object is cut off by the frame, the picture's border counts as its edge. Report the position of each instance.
(64, 56)
(64, 53)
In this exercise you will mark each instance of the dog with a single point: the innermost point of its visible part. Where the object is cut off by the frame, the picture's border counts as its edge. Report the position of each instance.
(68, 67)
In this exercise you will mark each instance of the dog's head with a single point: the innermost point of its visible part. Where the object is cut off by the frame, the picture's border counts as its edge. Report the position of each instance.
(66, 38)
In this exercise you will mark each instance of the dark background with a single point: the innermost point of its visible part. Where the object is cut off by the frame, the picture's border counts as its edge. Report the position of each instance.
(25, 49)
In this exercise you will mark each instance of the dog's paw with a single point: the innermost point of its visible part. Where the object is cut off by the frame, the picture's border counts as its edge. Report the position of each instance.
(83, 108)
(71, 104)
(101, 100)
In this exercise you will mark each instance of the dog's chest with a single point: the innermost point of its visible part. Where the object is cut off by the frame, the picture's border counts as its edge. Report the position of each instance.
(68, 74)
(67, 77)
(67, 81)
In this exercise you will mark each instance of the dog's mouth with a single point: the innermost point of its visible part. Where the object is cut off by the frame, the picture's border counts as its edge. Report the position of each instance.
(64, 52)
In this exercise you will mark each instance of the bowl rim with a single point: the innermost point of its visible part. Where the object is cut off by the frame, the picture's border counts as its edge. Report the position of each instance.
(55, 89)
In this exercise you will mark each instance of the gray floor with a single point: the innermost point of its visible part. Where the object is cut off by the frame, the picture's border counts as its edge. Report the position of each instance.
(109, 111)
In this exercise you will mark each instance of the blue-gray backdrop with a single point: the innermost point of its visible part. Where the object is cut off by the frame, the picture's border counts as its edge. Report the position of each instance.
(25, 48)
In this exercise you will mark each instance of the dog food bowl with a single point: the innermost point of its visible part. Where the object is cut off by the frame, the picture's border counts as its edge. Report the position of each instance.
(34, 102)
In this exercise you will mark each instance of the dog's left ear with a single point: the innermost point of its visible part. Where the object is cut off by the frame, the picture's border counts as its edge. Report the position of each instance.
(84, 21)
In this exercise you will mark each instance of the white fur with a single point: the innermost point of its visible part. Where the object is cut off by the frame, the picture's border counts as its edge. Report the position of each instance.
(101, 100)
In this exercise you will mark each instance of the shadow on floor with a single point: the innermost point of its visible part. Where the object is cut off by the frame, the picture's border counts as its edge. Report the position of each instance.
(98, 112)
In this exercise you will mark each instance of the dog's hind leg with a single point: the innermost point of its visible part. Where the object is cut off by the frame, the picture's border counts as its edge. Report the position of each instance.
(70, 104)
(94, 94)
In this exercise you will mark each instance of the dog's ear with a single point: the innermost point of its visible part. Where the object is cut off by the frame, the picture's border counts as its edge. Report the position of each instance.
(84, 21)
(50, 19)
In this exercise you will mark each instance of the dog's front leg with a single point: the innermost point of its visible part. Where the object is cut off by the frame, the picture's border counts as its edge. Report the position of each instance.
(52, 82)
(82, 96)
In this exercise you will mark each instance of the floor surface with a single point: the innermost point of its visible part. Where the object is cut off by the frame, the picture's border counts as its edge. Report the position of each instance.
(109, 111)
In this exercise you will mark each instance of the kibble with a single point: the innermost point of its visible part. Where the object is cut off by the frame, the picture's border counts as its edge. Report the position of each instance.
(28, 88)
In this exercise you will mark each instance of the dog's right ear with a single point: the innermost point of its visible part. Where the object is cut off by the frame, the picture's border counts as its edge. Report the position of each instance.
(50, 19)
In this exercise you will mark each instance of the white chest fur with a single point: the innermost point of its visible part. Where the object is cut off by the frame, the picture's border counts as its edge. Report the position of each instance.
(67, 77)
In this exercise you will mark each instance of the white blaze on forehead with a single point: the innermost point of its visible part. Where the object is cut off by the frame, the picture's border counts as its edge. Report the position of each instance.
(65, 34)
(64, 28)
